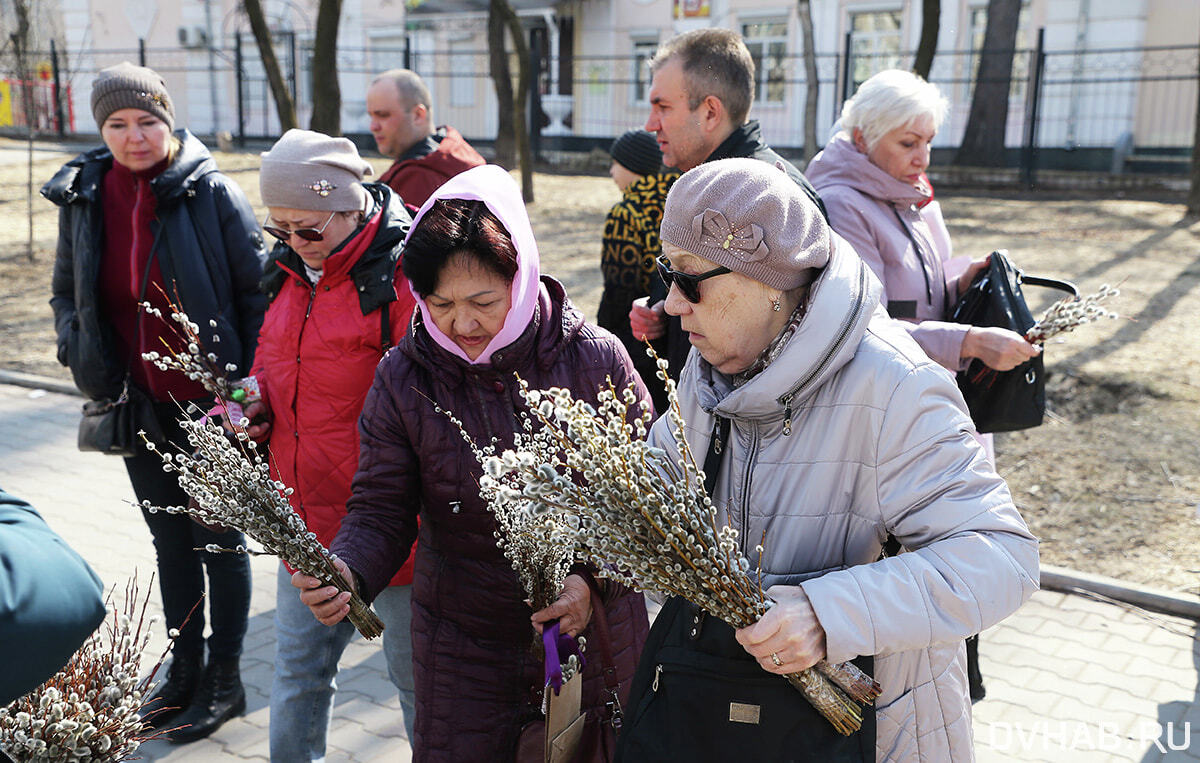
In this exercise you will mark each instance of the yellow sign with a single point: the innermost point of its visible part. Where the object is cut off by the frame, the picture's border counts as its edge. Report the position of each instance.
(692, 9)
(6, 112)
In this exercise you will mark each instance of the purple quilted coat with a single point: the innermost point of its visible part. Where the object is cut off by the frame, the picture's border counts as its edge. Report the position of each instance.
(477, 678)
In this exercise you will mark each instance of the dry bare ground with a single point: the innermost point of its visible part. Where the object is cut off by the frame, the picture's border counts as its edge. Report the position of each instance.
(1110, 483)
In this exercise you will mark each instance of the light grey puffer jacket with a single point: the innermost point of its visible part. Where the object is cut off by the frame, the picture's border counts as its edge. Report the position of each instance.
(880, 443)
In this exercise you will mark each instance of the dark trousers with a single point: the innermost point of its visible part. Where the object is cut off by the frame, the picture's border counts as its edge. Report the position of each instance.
(181, 567)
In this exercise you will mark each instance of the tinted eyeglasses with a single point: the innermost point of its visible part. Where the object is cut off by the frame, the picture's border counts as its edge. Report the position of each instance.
(308, 234)
(689, 285)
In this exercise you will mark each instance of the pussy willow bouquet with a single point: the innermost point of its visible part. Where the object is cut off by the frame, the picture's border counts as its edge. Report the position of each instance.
(90, 709)
(1070, 313)
(230, 484)
(646, 520)
(229, 480)
(539, 544)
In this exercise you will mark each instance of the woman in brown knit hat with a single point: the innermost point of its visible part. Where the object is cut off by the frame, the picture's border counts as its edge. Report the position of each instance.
(143, 217)
(826, 429)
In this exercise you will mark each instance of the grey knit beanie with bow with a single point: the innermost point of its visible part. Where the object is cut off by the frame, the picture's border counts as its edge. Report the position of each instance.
(749, 216)
(126, 86)
(312, 171)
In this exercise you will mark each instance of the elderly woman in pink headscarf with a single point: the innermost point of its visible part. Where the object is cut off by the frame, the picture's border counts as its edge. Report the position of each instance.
(484, 312)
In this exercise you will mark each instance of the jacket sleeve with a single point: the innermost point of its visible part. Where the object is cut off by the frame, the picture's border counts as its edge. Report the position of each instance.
(380, 525)
(62, 283)
(970, 560)
(941, 340)
(246, 257)
(50, 599)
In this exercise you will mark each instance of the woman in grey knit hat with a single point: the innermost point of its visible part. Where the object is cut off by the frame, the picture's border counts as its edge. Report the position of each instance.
(826, 429)
(339, 302)
(145, 216)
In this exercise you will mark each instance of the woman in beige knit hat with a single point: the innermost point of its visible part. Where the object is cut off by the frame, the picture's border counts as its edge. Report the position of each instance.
(339, 302)
(143, 217)
(826, 429)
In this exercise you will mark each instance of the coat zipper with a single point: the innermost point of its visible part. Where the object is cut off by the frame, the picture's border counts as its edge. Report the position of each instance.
(657, 675)
(751, 454)
(843, 334)
(312, 297)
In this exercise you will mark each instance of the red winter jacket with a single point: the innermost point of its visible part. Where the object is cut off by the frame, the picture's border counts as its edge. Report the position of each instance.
(316, 358)
(423, 168)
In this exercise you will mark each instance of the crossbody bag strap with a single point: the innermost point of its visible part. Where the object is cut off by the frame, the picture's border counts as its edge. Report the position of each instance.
(602, 636)
(385, 328)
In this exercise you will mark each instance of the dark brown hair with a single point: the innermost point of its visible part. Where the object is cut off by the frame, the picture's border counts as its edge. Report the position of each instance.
(715, 62)
(454, 226)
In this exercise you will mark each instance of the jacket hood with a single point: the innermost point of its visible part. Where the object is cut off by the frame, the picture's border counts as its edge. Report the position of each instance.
(554, 324)
(499, 192)
(840, 305)
(80, 178)
(841, 163)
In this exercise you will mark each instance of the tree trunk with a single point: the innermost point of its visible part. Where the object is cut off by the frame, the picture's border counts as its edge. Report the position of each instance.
(931, 21)
(507, 18)
(983, 141)
(812, 84)
(506, 144)
(327, 93)
(284, 106)
(1193, 201)
(20, 42)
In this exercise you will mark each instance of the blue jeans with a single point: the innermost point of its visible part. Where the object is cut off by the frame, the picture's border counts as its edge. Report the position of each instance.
(181, 568)
(306, 663)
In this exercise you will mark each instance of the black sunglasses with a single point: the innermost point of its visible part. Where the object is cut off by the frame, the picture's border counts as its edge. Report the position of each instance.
(308, 234)
(689, 285)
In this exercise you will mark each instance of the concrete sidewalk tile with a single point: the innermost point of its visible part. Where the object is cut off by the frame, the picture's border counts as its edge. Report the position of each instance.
(365, 741)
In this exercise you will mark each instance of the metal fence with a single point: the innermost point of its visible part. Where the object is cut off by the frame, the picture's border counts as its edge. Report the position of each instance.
(1115, 110)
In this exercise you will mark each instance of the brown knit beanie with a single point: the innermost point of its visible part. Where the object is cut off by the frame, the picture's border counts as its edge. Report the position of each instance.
(126, 86)
(752, 218)
(312, 171)
(638, 152)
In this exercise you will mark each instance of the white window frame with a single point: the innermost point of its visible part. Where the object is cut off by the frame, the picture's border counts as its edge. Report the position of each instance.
(762, 83)
(873, 41)
(639, 85)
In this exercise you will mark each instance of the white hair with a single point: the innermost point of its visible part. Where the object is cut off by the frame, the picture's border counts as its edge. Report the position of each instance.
(891, 99)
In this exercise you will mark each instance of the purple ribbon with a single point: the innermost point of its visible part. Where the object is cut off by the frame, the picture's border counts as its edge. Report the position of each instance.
(558, 647)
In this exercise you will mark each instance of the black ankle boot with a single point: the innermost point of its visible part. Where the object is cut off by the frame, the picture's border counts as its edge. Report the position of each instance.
(219, 698)
(174, 694)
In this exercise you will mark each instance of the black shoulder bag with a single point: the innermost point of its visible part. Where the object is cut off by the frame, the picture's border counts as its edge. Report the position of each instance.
(698, 695)
(1003, 401)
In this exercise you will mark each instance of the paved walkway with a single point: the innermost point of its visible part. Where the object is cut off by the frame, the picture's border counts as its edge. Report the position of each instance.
(1068, 678)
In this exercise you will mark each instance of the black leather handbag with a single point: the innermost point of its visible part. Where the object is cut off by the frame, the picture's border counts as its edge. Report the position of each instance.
(1003, 401)
(112, 426)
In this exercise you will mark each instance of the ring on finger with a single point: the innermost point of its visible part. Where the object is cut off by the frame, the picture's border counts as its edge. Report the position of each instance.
(775, 659)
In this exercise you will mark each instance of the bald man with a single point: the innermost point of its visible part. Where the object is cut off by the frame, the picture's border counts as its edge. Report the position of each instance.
(401, 113)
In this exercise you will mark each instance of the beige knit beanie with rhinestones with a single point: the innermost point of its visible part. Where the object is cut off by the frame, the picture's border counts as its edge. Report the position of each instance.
(749, 216)
(312, 171)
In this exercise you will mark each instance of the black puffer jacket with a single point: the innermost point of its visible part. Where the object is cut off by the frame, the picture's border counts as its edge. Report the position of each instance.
(208, 246)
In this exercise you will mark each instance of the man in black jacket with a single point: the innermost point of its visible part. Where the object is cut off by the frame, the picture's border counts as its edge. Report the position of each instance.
(700, 94)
